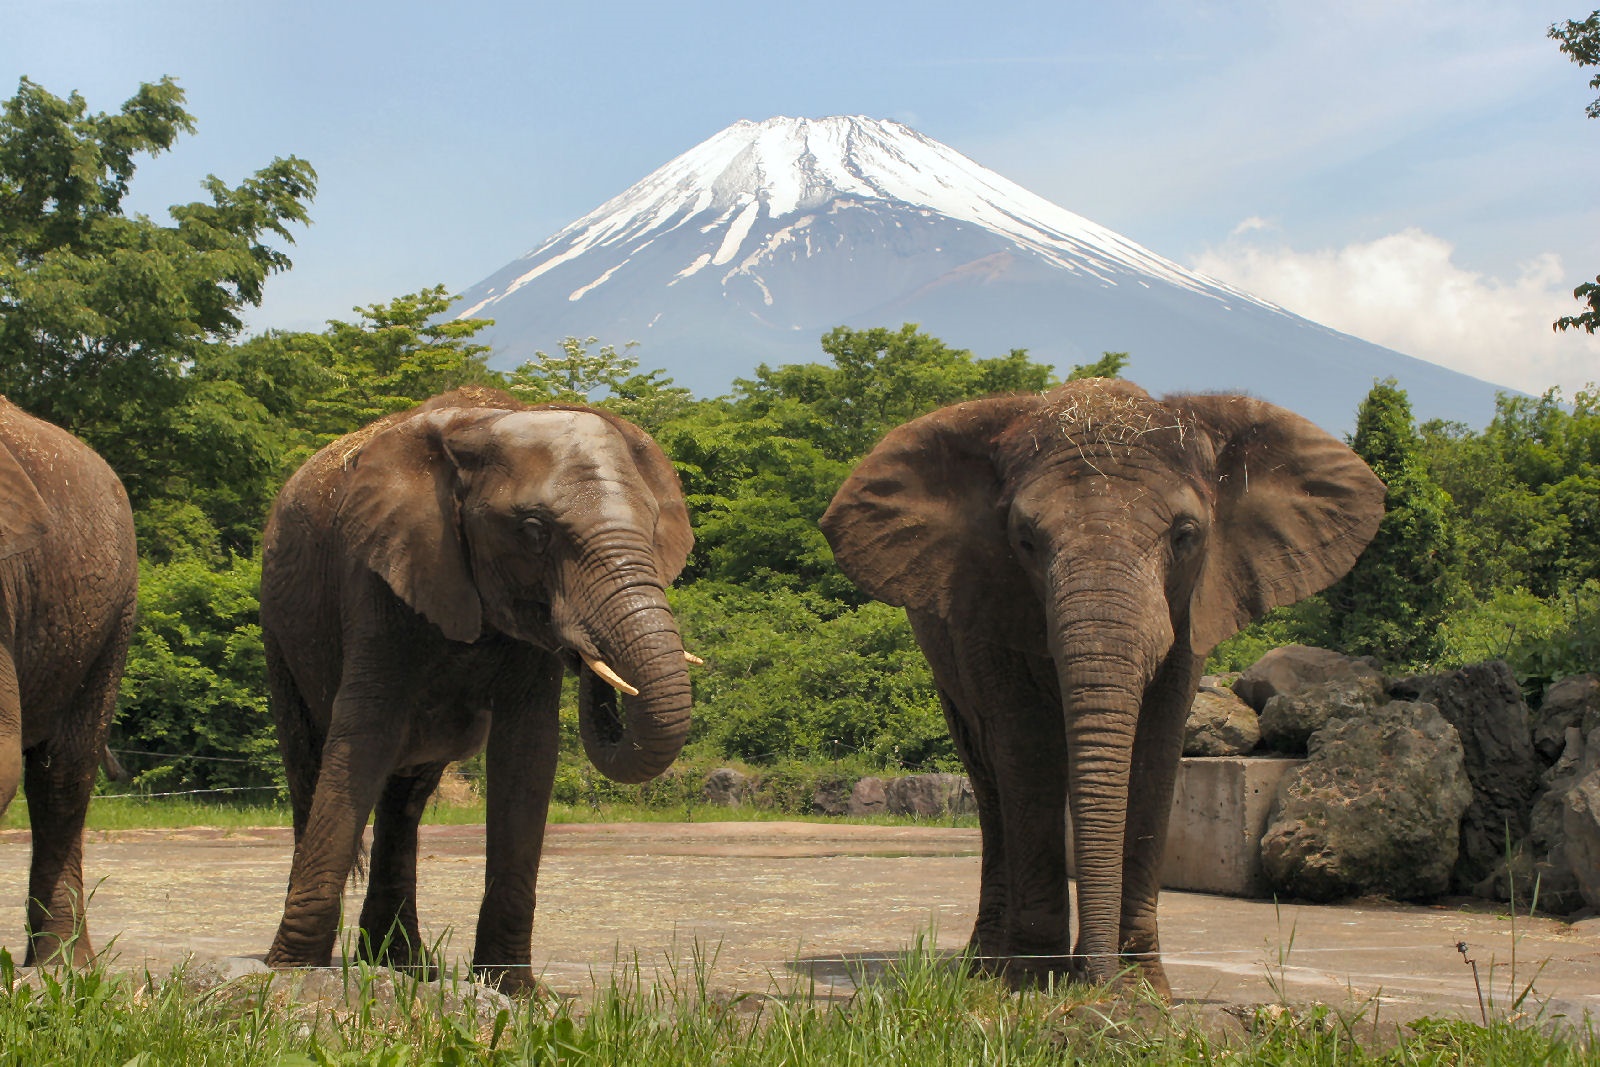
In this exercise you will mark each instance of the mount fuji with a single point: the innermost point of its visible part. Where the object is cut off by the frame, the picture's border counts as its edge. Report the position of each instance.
(751, 245)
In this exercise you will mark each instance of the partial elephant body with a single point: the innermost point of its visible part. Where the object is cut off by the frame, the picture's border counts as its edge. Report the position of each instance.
(1066, 561)
(425, 582)
(68, 580)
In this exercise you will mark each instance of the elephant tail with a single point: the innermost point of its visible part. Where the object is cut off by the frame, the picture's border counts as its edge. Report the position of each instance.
(113, 767)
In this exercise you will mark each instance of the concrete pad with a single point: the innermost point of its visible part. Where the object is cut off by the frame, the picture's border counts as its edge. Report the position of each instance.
(756, 903)
(1219, 814)
(1220, 809)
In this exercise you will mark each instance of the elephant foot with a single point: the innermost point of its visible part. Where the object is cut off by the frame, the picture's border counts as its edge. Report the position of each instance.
(518, 982)
(399, 950)
(1153, 976)
(1036, 970)
(286, 954)
(50, 949)
(1142, 963)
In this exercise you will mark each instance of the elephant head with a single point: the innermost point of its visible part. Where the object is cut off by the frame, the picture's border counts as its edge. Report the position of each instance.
(558, 526)
(1118, 535)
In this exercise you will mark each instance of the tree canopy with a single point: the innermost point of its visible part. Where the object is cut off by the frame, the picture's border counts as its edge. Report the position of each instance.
(101, 313)
(1581, 43)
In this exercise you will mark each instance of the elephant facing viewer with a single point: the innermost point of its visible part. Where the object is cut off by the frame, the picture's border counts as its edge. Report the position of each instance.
(425, 581)
(69, 573)
(1067, 559)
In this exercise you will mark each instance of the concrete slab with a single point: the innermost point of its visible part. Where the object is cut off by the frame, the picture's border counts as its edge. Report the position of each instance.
(1220, 809)
(759, 902)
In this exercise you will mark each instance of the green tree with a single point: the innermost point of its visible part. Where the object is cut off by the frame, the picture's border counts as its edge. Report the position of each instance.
(1109, 365)
(760, 467)
(399, 354)
(881, 378)
(1581, 42)
(101, 314)
(606, 378)
(1391, 603)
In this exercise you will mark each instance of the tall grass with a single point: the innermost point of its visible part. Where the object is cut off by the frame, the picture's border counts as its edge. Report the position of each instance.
(921, 1009)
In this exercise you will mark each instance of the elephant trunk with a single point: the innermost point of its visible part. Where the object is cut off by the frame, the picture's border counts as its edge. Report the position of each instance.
(1104, 659)
(634, 738)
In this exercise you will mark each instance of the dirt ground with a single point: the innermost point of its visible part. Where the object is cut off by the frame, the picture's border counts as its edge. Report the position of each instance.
(785, 901)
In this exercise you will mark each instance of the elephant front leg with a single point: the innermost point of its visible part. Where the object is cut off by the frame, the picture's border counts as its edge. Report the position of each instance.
(10, 730)
(1008, 727)
(521, 763)
(354, 768)
(1157, 750)
(988, 942)
(389, 931)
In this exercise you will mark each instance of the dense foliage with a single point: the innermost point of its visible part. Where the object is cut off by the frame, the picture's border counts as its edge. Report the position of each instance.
(1391, 603)
(125, 331)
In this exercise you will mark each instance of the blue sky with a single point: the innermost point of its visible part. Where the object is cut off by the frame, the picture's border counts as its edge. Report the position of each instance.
(1418, 173)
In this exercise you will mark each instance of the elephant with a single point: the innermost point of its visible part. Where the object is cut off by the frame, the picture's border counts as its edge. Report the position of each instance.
(1066, 560)
(426, 581)
(69, 575)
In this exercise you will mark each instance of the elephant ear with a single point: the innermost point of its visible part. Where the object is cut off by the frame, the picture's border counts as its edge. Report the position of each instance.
(1295, 507)
(921, 522)
(673, 535)
(400, 517)
(24, 516)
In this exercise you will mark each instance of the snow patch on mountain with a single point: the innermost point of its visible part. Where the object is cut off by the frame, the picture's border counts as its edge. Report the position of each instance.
(743, 188)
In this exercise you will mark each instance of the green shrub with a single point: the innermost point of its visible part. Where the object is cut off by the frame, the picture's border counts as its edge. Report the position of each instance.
(793, 676)
(194, 704)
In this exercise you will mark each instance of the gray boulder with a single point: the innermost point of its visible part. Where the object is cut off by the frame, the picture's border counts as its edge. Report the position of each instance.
(868, 797)
(1540, 859)
(930, 795)
(1571, 703)
(1484, 703)
(727, 788)
(1580, 821)
(1376, 808)
(1290, 718)
(832, 796)
(1283, 670)
(1220, 724)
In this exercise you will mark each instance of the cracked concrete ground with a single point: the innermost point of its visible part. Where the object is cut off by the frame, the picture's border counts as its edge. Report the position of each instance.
(808, 902)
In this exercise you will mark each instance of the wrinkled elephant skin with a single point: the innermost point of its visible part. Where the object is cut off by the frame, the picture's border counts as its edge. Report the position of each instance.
(69, 573)
(1067, 560)
(425, 583)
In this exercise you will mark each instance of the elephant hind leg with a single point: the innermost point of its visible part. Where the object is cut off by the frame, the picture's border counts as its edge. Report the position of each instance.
(389, 931)
(58, 786)
(60, 778)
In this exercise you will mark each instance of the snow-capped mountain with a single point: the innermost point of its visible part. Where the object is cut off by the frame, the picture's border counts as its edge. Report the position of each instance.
(751, 245)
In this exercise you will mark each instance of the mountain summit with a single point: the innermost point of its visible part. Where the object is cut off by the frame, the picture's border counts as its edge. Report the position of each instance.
(751, 245)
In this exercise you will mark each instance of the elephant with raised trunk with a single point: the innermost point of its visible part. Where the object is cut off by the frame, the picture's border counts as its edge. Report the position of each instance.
(425, 582)
(1067, 559)
(69, 573)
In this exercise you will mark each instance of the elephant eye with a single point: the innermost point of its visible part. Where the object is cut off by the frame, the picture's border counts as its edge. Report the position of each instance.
(1185, 535)
(535, 533)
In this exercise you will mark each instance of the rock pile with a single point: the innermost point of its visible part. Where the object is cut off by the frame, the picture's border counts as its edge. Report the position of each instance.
(1411, 786)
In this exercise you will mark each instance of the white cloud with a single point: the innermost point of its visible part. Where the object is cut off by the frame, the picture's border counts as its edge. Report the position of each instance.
(1406, 292)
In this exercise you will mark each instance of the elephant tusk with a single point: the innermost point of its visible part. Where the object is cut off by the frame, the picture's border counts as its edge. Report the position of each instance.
(690, 657)
(609, 676)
